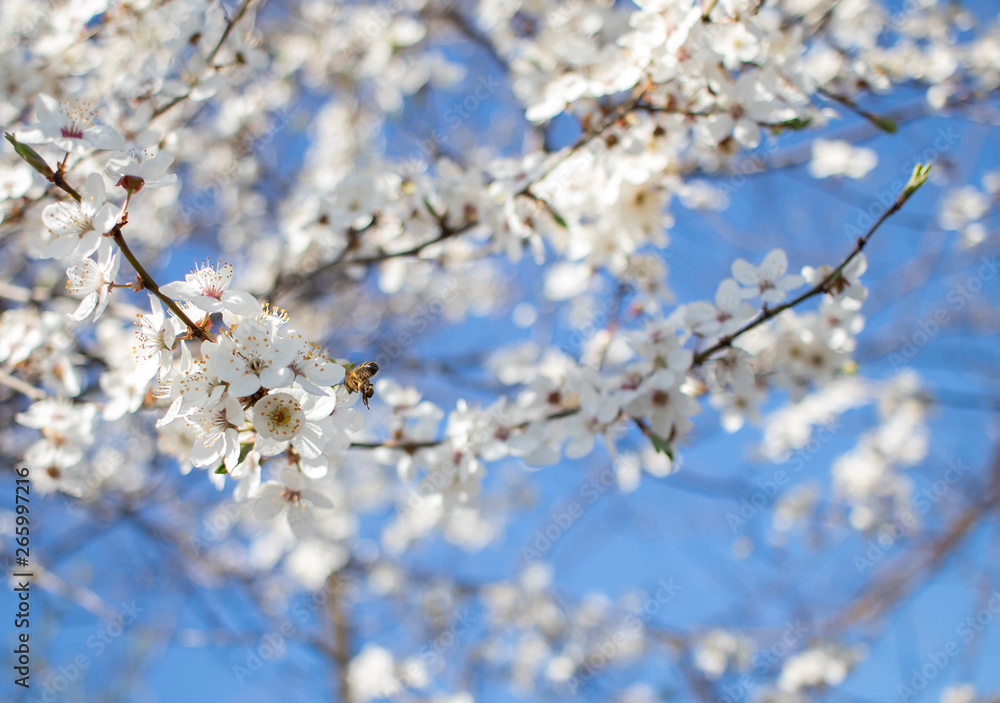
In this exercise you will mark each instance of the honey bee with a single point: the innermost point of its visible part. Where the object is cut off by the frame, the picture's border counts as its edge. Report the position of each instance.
(358, 380)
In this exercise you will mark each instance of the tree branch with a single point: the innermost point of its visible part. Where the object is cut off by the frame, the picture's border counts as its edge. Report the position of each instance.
(821, 287)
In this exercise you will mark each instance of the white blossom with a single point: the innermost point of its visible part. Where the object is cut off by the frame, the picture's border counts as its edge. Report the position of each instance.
(77, 228)
(92, 281)
(68, 126)
(208, 290)
(291, 491)
(840, 158)
(768, 280)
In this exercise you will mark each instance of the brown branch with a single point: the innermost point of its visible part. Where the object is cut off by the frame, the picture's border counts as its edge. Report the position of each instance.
(904, 580)
(208, 60)
(454, 17)
(821, 287)
(446, 233)
(725, 342)
(229, 28)
(411, 447)
(149, 284)
(283, 285)
(57, 178)
(883, 123)
(342, 641)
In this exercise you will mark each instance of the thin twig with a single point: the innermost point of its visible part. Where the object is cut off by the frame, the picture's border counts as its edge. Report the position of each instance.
(58, 179)
(821, 287)
(149, 284)
(208, 60)
(724, 343)
(283, 285)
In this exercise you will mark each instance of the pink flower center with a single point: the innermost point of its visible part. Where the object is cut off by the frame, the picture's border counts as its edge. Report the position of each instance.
(73, 132)
(132, 184)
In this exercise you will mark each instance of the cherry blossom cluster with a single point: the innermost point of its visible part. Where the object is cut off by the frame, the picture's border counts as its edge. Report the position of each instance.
(964, 209)
(378, 233)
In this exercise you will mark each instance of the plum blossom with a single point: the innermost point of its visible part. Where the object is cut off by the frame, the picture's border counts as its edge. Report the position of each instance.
(67, 431)
(69, 127)
(291, 490)
(195, 387)
(207, 288)
(961, 210)
(216, 429)
(847, 285)
(250, 358)
(453, 475)
(313, 369)
(718, 650)
(736, 44)
(343, 421)
(76, 228)
(154, 341)
(819, 667)
(413, 420)
(92, 281)
(840, 158)
(768, 280)
(484, 431)
(667, 408)
(739, 403)
(372, 674)
(725, 317)
(959, 693)
(292, 418)
(366, 234)
(597, 416)
(15, 181)
(134, 169)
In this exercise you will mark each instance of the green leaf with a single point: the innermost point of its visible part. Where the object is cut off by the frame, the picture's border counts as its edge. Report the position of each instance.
(430, 209)
(795, 124)
(560, 220)
(33, 158)
(221, 470)
(244, 450)
(883, 123)
(917, 179)
(661, 445)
